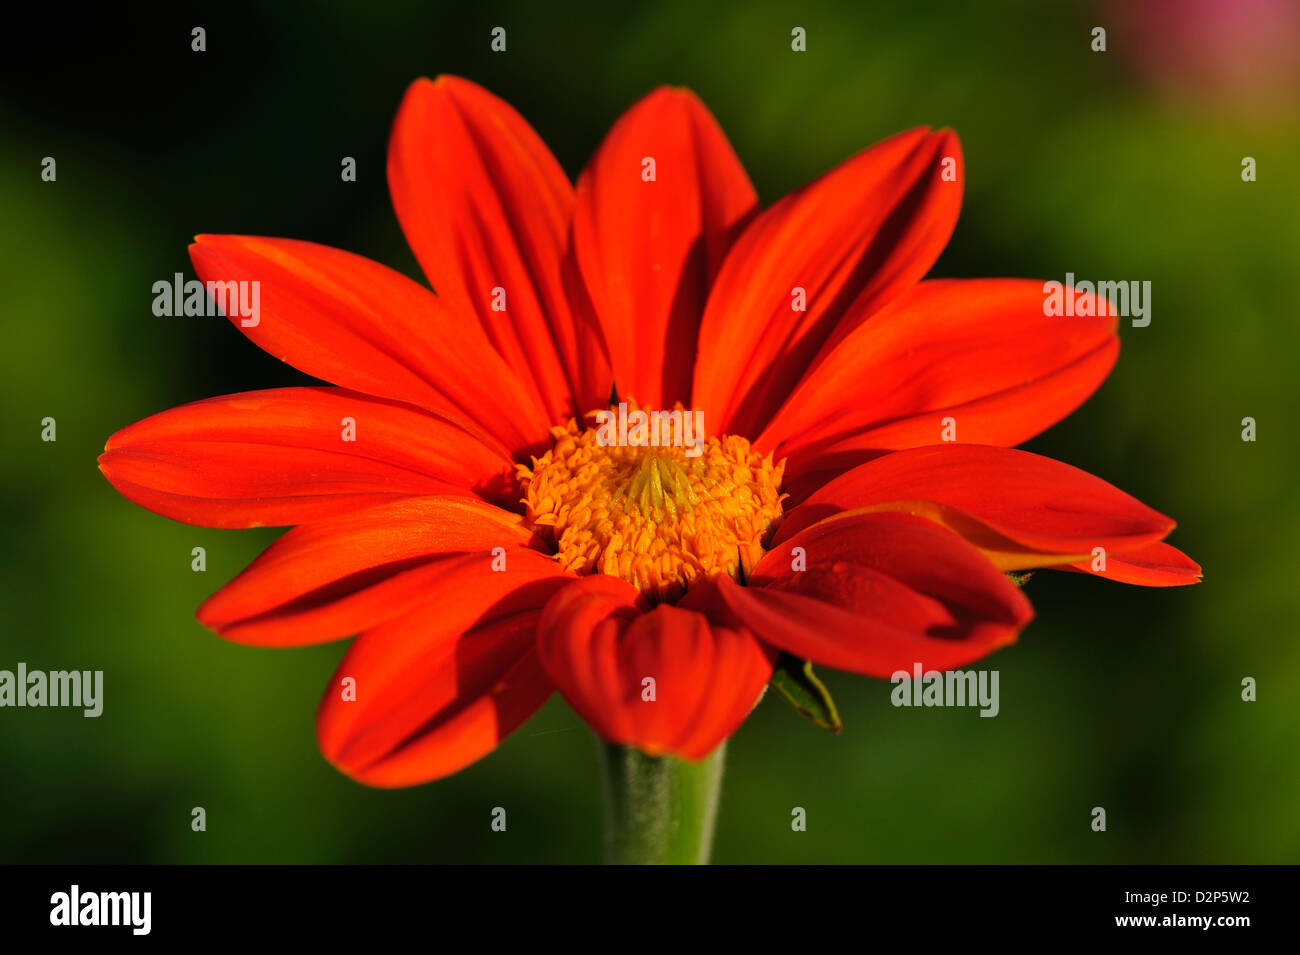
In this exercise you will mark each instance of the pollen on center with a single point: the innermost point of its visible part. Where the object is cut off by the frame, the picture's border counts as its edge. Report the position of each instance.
(660, 517)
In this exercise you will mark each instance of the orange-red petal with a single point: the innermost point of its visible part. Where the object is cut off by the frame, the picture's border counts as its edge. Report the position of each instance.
(440, 685)
(485, 205)
(847, 243)
(666, 680)
(279, 457)
(1021, 509)
(648, 249)
(979, 352)
(876, 593)
(327, 579)
(353, 322)
(1156, 565)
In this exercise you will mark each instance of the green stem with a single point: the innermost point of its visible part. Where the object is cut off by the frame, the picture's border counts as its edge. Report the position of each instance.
(659, 809)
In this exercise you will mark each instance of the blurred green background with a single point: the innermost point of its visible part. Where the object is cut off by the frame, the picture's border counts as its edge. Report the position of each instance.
(1096, 163)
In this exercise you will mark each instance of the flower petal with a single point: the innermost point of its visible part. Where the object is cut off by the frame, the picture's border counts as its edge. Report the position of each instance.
(485, 205)
(321, 581)
(364, 601)
(1156, 565)
(648, 249)
(600, 646)
(345, 319)
(279, 457)
(440, 685)
(851, 241)
(1023, 510)
(978, 351)
(880, 592)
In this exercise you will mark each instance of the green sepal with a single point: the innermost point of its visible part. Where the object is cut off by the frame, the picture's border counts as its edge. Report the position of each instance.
(794, 680)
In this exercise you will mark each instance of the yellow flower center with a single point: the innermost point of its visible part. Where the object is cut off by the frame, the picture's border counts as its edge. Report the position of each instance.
(658, 517)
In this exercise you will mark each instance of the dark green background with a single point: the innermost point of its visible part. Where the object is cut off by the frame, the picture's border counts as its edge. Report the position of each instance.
(1120, 697)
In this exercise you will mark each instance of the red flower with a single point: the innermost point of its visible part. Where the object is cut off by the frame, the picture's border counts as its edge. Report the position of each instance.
(488, 549)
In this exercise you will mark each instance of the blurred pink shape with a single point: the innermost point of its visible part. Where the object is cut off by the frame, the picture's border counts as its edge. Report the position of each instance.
(1235, 48)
